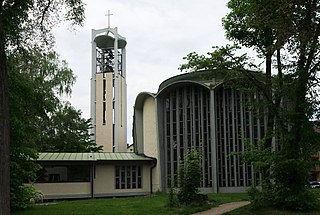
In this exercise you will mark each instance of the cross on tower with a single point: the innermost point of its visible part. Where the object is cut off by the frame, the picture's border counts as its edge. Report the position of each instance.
(108, 15)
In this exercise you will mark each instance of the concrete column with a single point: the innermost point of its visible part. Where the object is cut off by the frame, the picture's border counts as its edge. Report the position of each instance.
(213, 142)
(93, 83)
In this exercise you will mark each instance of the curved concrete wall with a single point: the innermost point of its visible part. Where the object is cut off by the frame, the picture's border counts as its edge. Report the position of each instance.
(150, 138)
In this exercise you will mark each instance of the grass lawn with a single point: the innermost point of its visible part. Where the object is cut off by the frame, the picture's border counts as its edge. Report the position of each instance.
(222, 198)
(153, 204)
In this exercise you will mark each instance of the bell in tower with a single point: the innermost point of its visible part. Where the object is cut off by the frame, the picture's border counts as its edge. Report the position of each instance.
(109, 90)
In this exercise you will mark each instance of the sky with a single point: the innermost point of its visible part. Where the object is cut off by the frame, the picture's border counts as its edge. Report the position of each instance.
(158, 34)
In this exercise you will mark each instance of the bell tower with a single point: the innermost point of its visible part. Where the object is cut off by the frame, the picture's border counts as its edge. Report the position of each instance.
(109, 89)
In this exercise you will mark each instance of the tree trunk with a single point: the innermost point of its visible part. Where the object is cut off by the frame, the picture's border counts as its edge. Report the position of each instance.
(300, 109)
(4, 132)
(270, 120)
(270, 114)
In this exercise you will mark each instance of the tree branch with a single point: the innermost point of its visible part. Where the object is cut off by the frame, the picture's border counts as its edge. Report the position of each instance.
(44, 12)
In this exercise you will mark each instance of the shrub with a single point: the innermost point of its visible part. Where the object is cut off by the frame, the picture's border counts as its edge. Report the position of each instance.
(259, 198)
(21, 197)
(172, 201)
(189, 177)
(289, 190)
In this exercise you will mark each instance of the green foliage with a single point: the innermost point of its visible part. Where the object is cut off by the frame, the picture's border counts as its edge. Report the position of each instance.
(21, 196)
(290, 189)
(289, 176)
(283, 197)
(290, 97)
(67, 131)
(259, 24)
(39, 120)
(260, 197)
(25, 110)
(238, 72)
(221, 58)
(51, 75)
(172, 198)
(25, 38)
(29, 23)
(189, 177)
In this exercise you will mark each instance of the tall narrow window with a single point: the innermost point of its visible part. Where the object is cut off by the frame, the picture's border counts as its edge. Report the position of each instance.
(235, 122)
(113, 143)
(104, 98)
(186, 126)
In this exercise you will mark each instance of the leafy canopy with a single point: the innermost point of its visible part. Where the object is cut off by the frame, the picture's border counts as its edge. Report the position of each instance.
(285, 33)
(34, 75)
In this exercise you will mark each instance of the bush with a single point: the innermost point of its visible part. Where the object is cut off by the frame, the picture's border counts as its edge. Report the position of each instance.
(172, 201)
(189, 177)
(284, 198)
(21, 196)
(303, 200)
(259, 198)
(289, 190)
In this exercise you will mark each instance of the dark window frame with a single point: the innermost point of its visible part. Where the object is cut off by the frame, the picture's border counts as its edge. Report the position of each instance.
(51, 174)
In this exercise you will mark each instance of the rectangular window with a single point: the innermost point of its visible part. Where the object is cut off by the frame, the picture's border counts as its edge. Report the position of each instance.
(128, 177)
(123, 177)
(117, 177)
(70, 173)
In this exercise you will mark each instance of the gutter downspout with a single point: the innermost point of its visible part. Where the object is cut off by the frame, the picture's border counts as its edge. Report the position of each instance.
(151, 168)
(92, 180)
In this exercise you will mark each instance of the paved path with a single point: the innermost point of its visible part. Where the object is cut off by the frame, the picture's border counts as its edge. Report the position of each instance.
(223, 208)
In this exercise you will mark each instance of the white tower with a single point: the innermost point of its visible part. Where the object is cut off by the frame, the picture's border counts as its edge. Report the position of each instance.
(109, 90)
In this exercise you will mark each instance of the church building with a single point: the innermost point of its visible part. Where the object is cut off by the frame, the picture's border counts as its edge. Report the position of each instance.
(188, 111)
(196, 111)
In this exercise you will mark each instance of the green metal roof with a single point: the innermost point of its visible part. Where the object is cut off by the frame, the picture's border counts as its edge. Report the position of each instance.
(96, 156)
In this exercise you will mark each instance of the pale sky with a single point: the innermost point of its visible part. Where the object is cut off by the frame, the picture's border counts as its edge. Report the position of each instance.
(158, 33)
